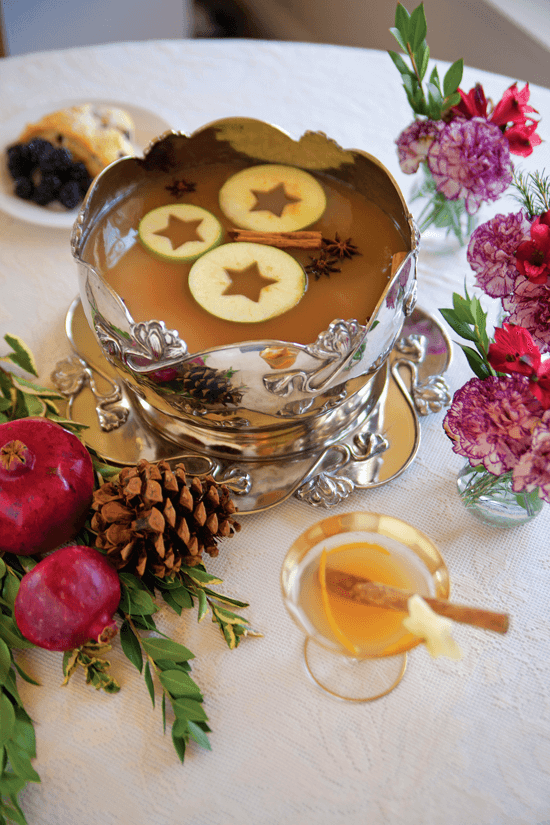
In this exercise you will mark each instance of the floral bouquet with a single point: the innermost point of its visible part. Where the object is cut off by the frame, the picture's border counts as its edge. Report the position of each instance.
(462, 142)
(500, 419)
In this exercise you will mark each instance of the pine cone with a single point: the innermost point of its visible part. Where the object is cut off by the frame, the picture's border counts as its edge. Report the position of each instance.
(209, 385)
(151, 519)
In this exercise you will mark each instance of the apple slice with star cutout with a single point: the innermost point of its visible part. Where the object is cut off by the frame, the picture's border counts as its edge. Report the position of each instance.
(272, 198)
(179, 232)
(247, 282)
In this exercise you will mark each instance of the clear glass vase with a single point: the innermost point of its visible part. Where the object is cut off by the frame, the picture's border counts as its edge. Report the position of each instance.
(444, 225)
(491, 499)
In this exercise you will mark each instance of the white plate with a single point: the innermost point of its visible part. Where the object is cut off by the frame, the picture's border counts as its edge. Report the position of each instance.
(148, 125)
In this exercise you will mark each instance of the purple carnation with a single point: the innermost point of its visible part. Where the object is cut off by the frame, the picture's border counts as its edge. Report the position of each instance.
(490, 421)
(491, 252)
(471, 160)
(414, 141)
(533, 468)
(529, 306)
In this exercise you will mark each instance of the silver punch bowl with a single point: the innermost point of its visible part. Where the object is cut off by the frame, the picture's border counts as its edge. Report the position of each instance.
(277, 401)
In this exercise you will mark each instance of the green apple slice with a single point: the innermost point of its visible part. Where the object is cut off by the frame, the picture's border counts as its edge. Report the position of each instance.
(272, 198)
(179, 232)
(247, 282)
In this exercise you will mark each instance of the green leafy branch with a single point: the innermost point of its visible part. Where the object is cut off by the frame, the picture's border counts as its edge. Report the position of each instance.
(468, 319)
(167, 659)
(194, 583)
(20, 398)
(532, 191)
(17, 737)
(96, 669)
(434, 101)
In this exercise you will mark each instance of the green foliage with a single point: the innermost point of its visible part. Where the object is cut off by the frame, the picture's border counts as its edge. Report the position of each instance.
(468, 319)
(431, 101)
(154, 656)
(169, 660)
(95, 668)
(17, 738)
(20, 398)
(532, 191)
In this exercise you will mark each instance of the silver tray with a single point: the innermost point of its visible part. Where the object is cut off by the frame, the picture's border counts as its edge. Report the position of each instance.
(378, 450)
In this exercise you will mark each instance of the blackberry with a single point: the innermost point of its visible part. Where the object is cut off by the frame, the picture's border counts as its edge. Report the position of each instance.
(57, 160)
(39, 149)
(78, 171)
(47, 190)
(69, 194)
(24, 188)
(20, 164)
(80, 174)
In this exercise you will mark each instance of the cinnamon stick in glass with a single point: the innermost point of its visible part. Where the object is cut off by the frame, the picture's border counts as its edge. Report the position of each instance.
(392, 598)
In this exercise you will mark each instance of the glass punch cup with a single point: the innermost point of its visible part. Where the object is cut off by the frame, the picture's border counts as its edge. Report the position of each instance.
(353, 650)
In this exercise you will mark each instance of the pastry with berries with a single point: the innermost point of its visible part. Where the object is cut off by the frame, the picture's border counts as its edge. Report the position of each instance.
(56, 158)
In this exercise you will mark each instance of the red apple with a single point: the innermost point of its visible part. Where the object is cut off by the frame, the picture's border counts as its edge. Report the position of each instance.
(68, 598)
(46, 485)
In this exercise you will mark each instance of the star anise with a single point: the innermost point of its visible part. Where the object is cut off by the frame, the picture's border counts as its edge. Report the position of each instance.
(323, 265)
(180, 187)
(340, 248)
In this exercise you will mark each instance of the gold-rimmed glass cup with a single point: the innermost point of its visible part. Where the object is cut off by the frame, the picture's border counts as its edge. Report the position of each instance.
(365, 545)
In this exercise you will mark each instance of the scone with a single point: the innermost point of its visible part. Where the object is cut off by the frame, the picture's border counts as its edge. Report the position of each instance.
(95, 135)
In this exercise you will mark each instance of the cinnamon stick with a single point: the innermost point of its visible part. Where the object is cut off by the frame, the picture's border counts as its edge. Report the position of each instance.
(392, 598)
(282, 240)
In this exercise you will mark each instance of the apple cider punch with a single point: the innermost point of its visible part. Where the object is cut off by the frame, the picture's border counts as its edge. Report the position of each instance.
(234, 252)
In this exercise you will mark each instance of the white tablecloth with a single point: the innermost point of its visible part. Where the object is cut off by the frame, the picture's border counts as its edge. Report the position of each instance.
(455, 743)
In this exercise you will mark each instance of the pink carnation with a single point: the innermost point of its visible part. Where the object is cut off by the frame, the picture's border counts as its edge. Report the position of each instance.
(491, 421)
(470, 160)
(529, 306)
(491, 252)
(533, 468)
(413, 143)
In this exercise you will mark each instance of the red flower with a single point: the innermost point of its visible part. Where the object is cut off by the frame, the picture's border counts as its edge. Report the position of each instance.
(533, 257)
(514, 351)
(513, 107)
(540, 385)
(473, 104)
(522, 138)
(511, 114)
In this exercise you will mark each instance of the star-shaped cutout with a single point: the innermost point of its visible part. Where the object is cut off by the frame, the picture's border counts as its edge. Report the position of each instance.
(435, 630)
(248, 282)
(179, 232)
(273, 200)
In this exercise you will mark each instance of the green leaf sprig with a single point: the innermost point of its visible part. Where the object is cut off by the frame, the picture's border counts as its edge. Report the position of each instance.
(532, 190)
(96, 669)
(434, 100)
(17, 737)
(468, 319)
(20, 398)
(168, 660)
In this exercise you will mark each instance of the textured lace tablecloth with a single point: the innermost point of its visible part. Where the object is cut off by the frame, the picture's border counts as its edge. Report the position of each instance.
(463, 743)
